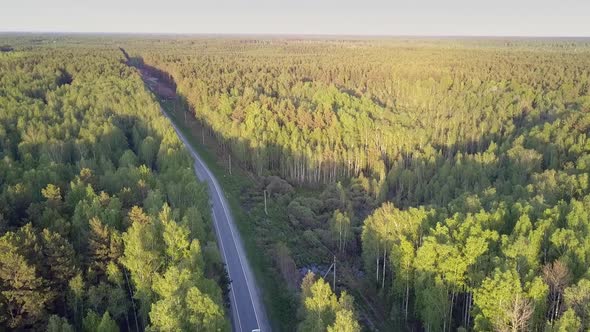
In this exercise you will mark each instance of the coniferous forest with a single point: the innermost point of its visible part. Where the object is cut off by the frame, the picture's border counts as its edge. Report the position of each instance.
(104, 225)
(446, 180)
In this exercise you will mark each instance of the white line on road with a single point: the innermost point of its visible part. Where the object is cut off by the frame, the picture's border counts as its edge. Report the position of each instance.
(221, 200)
(217, 190)
(235, 306)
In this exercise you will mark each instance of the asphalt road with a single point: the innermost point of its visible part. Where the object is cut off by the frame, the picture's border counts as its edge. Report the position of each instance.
(246, 306)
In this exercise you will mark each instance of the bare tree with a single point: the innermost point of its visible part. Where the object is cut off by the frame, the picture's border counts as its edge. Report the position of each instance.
(558, 277)
(517, 315)
(522, 311)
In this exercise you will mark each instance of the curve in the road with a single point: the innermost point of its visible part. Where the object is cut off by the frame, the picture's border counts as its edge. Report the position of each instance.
(247, 308)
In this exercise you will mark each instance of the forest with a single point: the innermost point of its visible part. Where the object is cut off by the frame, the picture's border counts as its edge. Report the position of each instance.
(104, 226)
(447, 179)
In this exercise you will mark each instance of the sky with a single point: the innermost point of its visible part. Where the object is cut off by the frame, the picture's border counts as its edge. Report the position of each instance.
(319, 17)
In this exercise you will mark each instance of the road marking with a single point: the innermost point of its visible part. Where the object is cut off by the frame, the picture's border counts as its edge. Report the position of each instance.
(214, 181)
(217, 191)
(235, 306)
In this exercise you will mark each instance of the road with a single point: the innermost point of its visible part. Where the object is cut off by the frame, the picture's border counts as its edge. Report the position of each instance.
(246, 306)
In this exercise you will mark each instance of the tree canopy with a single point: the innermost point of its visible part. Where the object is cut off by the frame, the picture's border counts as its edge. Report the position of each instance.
(99, 206)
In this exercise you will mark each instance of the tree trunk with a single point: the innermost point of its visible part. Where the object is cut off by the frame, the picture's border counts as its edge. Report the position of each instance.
(377, 261)
(469, 310)
(407, 298)
(451, 308)
(340, 237)
(384, 261)
(556, 307)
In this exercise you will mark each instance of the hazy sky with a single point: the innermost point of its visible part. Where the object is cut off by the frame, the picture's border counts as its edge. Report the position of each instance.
(360, 17)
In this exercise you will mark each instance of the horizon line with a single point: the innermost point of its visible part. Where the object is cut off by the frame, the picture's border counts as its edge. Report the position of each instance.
(292, 34)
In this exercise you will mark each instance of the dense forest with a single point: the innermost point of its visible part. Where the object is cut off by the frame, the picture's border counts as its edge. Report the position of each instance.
(104, 226)
(448, 177)
(429, 185)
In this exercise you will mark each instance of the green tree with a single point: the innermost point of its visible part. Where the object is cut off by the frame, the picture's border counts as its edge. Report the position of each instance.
(25, 293)
(344, 322)
(53, 195)
(577, 298)
(320, 307)
(59, 324)
(322, 310)
(502, 304)
(341, 229)
(143, 258)
(182, 306)
(568, 322)
(107, 324)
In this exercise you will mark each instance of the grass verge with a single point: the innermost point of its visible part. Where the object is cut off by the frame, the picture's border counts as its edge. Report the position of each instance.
(279, 303)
